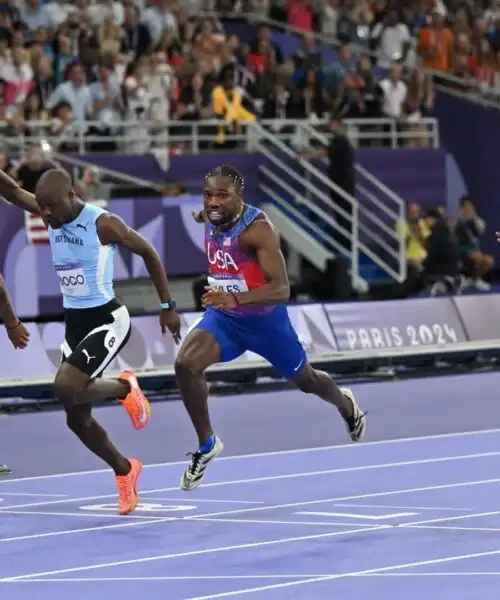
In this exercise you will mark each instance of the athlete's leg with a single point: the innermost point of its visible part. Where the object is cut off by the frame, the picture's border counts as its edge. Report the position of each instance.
(70, 385)
(91, 355)
(214, 339)
(80, 420)
(319, 383)
(276, 340)
(199, 351)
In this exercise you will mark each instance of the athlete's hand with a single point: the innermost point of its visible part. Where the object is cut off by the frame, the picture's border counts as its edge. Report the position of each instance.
(218, 299)
(198, 216)
(170, 320)
(18, 335)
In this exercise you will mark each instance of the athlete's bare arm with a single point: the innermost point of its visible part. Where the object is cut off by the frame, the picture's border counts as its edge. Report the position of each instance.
(113, 230)
(262, 240)
(17, 332)
(15, 194)
(7, 313)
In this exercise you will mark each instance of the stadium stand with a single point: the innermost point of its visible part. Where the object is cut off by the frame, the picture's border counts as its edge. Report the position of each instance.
(108, 70)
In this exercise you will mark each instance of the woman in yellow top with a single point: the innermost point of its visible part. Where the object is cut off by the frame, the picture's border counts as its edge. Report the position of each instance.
(228, 106)
(415, 233)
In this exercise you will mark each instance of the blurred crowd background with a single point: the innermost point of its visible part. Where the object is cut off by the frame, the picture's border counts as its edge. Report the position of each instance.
(121, 74)
(68, 67)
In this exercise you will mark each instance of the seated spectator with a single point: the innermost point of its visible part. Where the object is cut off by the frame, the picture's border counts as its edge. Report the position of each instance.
(442, 260)
(468, 230)
(415, 233)
(228, 106)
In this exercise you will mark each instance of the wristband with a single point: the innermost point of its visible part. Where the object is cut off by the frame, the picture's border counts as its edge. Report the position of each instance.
(170, 305)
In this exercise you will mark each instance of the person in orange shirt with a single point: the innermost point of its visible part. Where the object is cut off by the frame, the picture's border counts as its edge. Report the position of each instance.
(436, 44)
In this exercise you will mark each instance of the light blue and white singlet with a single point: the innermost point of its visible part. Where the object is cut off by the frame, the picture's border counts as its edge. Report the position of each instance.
(84, 266)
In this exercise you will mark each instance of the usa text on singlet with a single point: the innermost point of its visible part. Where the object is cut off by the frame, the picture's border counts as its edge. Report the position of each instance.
(230, 269)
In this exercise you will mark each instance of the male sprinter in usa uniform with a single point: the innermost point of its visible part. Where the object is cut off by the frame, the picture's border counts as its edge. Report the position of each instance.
(83, 239)
(245, 310)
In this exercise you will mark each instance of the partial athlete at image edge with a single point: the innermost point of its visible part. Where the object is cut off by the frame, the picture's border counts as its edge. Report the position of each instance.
(83, 239)
(245, 303)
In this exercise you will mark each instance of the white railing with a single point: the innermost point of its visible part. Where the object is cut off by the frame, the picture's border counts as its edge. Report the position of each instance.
(374, 235)
(381, 210)
(395, 133)
(193, 137)
(320, 206)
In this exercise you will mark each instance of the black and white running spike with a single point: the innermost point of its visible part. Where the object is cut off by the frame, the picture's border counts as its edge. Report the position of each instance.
(357, 425)
(193, 475)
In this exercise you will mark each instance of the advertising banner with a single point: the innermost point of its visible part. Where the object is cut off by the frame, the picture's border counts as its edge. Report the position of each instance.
(395, 324)
(480, 316)
(322, 329)
(147, 348)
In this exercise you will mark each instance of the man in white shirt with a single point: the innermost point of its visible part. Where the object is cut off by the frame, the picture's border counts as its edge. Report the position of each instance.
(395, 91)
(393, 40)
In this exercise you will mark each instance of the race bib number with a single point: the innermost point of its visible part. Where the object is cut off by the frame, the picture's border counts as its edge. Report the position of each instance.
(72, 280)
(233, 285)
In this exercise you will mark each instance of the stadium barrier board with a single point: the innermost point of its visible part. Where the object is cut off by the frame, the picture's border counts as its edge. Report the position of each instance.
(326, 330)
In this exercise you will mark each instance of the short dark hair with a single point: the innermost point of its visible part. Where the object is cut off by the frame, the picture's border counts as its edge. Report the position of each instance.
(228, 171)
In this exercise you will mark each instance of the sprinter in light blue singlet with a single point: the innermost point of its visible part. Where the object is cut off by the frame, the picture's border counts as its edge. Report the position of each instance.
(245, 305)
(84, 266)
(83, 239)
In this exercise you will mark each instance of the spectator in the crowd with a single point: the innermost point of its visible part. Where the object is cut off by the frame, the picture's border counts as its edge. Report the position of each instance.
(415, 234)
(436, 43)
(228, 106)
(469, 229)
(329, 18)
(18, 77)
(342, 173)
(391, 40)
(395, 91)
(369, 98)
(441, 261)
(35, 16)
(418, 105)
(74, 92)
(158, 18)
(264, 35)
(300, 14)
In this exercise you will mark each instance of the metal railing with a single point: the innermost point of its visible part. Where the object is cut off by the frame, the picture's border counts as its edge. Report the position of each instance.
(381, 211)
(194, 137)
(284, 182)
